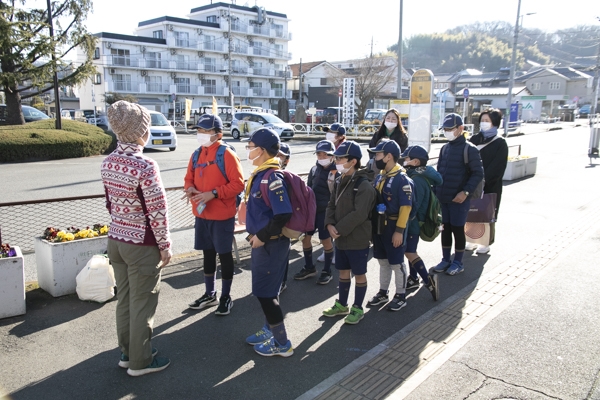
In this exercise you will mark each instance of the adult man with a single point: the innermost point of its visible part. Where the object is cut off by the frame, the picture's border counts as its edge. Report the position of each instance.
(213, 195)
(270, 249)
(459, 181)
(138, 237)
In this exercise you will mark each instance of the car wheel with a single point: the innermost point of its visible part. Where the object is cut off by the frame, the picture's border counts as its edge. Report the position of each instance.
(172, 148)
(287, 140)
(235, 134)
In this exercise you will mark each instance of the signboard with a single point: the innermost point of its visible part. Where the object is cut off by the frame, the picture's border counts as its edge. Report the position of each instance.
(420, 108)
(466, 93)
(401, 106)
(348, 112)
(514, 112)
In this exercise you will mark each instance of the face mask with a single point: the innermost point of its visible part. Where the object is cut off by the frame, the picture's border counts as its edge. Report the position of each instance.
(450, 135)
(325, 162)
(484, 126)
(380, 164)
(341, 169)
(406, 163)
(204, 139)
(390, 125)
(330, 136)
(250, 152)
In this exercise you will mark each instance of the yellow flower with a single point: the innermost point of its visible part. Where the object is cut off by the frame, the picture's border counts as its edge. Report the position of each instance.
(104, 230)
(69, 236)
(61, 234)
(91, 234)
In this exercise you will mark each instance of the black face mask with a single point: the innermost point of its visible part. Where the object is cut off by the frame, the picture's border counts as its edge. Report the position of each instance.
(380, 164)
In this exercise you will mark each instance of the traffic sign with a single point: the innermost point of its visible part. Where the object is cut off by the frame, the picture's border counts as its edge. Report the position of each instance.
(466, 93)
(340, 93)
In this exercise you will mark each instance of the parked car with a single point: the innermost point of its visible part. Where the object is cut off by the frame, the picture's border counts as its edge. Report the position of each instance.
(375, 115)
(162, 134)
(584, 111)
(246, 122)
(29, 113)
(318, 117)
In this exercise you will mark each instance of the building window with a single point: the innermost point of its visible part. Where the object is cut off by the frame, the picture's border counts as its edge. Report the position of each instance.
(278, 87)
(152, 59)
(209, 42)
(157, 34)
(209, 85)
(278, 30)
(154, 84)
(210, 65)
(97, 79)
(182, 39)
(120, 57)
(212, 19)
(323, 81)
(554, 85)
(122, 82)
(183, 85)
(96, 53)
(183, 62)
(535, 86)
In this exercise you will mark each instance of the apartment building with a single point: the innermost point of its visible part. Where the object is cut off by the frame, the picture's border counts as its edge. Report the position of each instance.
(220, 48)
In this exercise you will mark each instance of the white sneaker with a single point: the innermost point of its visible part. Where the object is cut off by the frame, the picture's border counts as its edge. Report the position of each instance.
(483, 249)
(470, 246)
(321, 258)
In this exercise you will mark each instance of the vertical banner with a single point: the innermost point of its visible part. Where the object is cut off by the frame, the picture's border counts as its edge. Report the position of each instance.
(420, 109)
(348, 104)
(188, 109)
(514, 112)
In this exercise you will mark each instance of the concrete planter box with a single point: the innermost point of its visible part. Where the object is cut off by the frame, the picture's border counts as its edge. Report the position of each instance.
(514, 170)
(530, 166)
(12, 285)
(59, 263)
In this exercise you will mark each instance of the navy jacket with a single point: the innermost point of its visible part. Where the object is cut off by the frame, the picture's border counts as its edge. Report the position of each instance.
(457, 176)
(317, 181)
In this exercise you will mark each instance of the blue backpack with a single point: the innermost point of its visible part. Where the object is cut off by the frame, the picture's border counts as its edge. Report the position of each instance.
(220, 161)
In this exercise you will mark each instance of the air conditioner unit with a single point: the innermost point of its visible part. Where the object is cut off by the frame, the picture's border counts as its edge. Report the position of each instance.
(170, 27)
(108, 45)
(112, 71)
(143, 73)
(173, 75)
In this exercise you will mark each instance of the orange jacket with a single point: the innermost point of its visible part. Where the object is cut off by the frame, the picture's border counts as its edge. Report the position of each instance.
(205, 179)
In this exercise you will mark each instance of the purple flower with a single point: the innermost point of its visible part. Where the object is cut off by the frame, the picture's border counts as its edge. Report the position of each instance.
(12, 252)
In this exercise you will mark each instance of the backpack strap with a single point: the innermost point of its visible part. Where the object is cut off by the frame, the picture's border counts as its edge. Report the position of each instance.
(466, 154)
(220, 159)
(264, 186)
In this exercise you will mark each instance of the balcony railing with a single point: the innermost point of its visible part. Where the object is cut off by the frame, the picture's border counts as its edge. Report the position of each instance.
(262, 71)
(184, 43)
(261, 30)
(239, 49)
(260, 51)
(261, 92)
(240, 91)
(157, 87)
(122, 86)
(212, 46)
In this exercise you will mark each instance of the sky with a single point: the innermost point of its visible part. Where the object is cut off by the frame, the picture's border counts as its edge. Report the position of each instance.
(336, 30)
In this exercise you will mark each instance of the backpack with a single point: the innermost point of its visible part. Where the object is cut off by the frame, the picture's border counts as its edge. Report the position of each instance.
(478, 192)
(429, 229)
(302, 198)
(220, 161)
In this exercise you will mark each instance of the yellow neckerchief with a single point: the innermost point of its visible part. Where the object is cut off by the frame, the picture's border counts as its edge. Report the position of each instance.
(270, 163)
(384, 175)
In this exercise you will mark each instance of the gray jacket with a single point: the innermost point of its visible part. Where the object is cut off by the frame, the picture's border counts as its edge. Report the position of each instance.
(350, 215)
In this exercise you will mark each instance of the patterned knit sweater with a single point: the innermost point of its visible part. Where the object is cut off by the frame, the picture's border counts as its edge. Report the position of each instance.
(135, 198)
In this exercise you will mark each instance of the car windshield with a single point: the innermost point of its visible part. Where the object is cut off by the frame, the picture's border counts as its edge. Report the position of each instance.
(272, 119)
(159, 120)
(33, 113)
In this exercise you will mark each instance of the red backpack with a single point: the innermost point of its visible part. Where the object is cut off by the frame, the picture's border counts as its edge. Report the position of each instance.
(304, 204)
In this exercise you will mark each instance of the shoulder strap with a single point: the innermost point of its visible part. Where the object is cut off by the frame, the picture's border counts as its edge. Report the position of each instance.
(466, 154)
(195, 158)
(220, 159)
(481, 146)
(265, 185)
(359, 180)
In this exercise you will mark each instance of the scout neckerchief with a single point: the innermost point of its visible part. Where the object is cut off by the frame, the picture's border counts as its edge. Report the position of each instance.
(384, 175)
(270, 163)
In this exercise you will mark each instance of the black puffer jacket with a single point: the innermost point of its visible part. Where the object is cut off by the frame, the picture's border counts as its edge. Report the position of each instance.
(457, 176)
(397, 136)
(494, 157)
(317, 181)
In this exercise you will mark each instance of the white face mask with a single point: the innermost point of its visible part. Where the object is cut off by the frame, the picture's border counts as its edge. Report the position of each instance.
(250, 152)
(324, 162)
(204, 139)
(341, 169)
(390, 125)
(484, 126)
(406, 163)
(450, 135)
(330, 136)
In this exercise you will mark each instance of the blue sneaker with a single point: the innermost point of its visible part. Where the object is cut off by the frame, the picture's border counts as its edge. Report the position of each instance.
(272, 348)
(124, 361)
(260, 337)
(455, 268)
(441, 267)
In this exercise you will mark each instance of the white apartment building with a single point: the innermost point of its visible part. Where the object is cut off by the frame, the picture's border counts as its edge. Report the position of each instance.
(220, 47)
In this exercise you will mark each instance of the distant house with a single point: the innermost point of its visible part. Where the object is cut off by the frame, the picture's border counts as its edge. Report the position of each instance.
(484, 97)
(311, 84)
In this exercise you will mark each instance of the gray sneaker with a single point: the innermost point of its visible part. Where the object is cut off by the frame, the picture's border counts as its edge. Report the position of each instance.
(396, 304)
(158, 364)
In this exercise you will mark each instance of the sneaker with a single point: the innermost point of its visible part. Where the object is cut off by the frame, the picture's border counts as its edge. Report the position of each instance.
(380, 297)
(282, 287)
(396, 304)
(470, 246)
(225, 305)
(321, 258)
(272, 348)
(260, 337)
(204, 301)
(433, 287)
(356, 314)
(325, 278)
(483, 249)
(412, 283)
(157, 364)
(305, 273)
(124, 361)
(441, 267)
(455, 269)
(337, 309)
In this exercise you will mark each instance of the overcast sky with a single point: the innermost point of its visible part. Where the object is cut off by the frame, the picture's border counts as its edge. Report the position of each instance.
(342, 29)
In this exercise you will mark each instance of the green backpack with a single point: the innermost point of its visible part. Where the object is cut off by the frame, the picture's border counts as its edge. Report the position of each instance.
(433, 217)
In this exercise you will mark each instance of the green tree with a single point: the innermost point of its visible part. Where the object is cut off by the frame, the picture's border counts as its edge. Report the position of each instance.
(111, 97)
(26, 50)
(37, 102)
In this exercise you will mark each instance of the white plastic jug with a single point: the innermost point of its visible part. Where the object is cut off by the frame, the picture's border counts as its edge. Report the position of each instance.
(96, 281)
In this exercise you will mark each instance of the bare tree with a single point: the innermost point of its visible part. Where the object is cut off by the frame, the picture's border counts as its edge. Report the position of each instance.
(371, 74)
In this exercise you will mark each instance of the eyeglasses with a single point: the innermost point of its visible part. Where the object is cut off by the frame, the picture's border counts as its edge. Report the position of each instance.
(251, 147)
(449, 129)
(341, 158)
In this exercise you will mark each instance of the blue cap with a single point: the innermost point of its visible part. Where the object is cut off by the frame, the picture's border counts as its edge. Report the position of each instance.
(267, 139)
(348, 148)
(285, 149)
(335, 128)
(387, 146)
(416, 152)
(207, 121)
(325, 146)
(452, 121)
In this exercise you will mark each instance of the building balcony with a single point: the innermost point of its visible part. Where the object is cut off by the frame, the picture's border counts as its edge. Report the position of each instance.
(260, 92)
(239, 91)
(182, 43)
(240, 49)
(212, 46)
(262, 71)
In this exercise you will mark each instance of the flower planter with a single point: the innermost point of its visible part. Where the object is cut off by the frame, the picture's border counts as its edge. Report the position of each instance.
(515, 169)
(530, 166)
(59, 263)
(12, 285)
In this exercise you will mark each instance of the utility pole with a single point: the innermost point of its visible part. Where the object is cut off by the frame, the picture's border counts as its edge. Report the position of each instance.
(230, 41)
(371, 46)
(58, 122)
(399, 84)
(511, 81)
(300, 82)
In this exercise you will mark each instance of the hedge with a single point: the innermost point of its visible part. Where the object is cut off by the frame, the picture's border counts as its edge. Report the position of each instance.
(39, 140)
